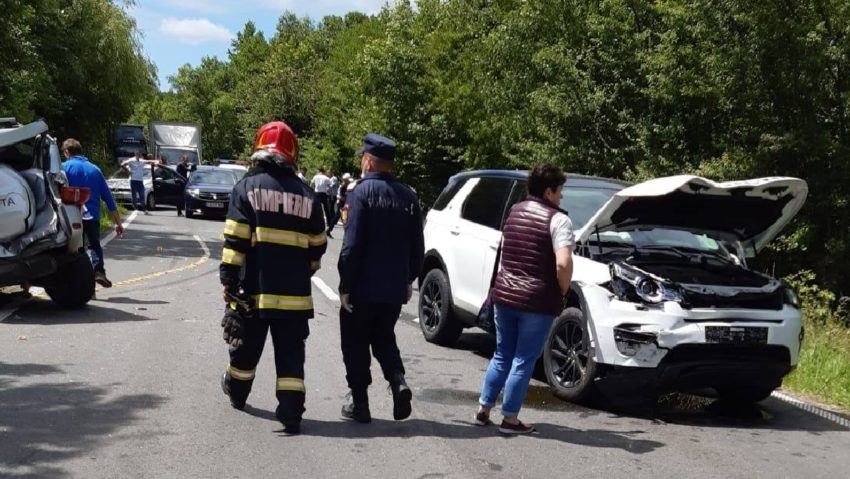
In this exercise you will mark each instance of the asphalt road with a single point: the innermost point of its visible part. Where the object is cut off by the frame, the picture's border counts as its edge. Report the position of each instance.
(129, 387)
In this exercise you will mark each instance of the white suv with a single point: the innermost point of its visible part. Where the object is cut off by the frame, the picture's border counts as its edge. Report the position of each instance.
(41, 228)
(661, 297)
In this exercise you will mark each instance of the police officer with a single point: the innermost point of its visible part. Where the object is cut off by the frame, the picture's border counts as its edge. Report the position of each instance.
(382, 252)
(274, 240)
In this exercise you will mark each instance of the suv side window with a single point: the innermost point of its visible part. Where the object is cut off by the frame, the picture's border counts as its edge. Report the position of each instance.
(485, 204)
(448, 193)
(518, 193)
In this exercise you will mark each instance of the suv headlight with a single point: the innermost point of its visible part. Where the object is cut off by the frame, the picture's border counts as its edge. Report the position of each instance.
(631, 284)
(791, 298)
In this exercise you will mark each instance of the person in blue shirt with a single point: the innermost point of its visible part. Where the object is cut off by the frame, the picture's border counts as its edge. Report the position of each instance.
(82, 173)
(382, 253)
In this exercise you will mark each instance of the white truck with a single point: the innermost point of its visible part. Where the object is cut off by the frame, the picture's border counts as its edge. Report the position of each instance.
(170, 141)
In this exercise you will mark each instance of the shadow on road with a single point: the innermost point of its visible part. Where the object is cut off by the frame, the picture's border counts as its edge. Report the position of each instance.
(44, 423)
(44, 312)
(125, 300)
(626, 441)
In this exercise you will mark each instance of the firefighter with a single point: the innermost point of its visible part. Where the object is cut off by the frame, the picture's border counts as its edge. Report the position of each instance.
(274, 238)
(381, 256)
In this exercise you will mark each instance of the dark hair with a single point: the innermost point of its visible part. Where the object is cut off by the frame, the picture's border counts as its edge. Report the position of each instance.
(73, 146)
(543, 177)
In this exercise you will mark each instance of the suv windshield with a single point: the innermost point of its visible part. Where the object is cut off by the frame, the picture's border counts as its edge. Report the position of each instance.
(219, 177)
(660, 237)
(582, 203)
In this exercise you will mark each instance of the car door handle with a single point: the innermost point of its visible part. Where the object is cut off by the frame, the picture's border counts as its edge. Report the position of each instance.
(494, 247)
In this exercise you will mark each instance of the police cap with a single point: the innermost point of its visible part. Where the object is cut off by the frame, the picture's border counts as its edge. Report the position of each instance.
(379, 146)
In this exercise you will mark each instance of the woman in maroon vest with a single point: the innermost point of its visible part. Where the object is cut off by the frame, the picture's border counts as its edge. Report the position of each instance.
(534, 275)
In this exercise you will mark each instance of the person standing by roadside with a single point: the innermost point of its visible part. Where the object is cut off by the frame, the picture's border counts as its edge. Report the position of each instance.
(84, 174)
(274, 240)
(382, 253)
(333, 190)
(183, 169)
(321, 185)
(136, 167)
(534, 274)
(302, 174)
(342, 192)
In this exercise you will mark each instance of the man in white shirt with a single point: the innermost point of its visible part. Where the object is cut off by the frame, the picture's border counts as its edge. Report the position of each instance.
(321, 185)
(136, 166)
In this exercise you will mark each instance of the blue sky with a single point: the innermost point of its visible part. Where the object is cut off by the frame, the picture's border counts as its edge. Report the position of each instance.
(176, 32)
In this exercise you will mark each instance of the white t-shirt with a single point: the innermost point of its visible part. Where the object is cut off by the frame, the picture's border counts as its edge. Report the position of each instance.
(137, 169)
(561, 229)
(321, 183)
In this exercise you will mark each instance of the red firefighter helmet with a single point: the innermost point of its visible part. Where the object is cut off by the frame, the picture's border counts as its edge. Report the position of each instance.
(277, 137)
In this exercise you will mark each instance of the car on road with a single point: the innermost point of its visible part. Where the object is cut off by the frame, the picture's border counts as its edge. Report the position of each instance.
(661, 298)
(208, 191)
(163, 186)
(41, 230)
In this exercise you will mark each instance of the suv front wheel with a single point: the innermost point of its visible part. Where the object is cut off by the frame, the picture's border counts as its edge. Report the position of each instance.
(435, 310)
(72, 285)
(567, 362)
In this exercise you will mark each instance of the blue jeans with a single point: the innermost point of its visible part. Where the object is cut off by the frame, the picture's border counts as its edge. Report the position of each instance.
(520, 336)
(137, 190)
(91, 228)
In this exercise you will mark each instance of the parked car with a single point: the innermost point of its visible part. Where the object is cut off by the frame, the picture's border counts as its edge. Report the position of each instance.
(661, 297)
(41, 229)
(208, 191)
(163, 186)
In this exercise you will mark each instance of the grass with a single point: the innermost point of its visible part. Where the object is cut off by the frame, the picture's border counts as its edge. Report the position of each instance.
(824, 368)
(106, 223)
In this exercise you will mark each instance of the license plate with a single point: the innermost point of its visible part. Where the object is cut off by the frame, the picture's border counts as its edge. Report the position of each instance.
(212, 204)
(735, 335)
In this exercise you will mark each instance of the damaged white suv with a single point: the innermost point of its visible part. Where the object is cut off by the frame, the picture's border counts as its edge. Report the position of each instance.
(661, 298)
(41, 229)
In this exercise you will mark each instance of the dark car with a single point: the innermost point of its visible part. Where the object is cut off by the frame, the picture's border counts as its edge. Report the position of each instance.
(208, 191)
(163, 186)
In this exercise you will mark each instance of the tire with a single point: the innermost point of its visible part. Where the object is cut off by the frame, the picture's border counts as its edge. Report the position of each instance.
(438, 324)
(744, 394)
(150, 203)
(72, 285)
(567, 358)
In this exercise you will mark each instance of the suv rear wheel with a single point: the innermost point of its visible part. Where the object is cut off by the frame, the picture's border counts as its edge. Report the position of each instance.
(438, 324)
(567, 362)
(151, 202)
(72, 285)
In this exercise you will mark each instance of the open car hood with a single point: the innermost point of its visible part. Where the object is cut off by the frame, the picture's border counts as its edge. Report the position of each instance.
(751, 211)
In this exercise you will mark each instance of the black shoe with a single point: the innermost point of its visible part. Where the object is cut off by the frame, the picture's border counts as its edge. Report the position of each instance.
(224, 387)
(329, 235)
(401, 400)
(179, 213)
(292, 428)
(357, 409)
(518, 428)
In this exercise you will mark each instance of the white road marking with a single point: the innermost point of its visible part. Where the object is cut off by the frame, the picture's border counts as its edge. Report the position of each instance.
(111, 236)
(324, 288)
(812, 409)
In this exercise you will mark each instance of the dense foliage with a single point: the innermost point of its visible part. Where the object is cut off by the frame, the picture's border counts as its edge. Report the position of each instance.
(76, 63)
(620, 88)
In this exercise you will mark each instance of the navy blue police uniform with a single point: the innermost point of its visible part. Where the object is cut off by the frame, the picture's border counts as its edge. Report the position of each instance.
(382, 252)
(274, 237)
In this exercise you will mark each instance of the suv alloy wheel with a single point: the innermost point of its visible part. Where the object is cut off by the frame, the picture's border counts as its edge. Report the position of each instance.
(435, 311)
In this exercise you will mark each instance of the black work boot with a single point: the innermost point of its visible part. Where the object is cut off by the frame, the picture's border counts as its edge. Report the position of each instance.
(291, 423)
(401, 398)
(225, 387)
(358, 408)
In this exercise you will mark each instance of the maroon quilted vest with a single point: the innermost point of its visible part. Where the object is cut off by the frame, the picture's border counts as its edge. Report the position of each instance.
(527, 279)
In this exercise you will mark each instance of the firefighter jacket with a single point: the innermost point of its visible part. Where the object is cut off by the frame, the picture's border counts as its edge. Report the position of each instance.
(274, 238)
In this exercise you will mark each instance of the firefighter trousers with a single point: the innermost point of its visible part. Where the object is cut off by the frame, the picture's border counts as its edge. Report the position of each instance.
(288, 337)
(370, 325)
